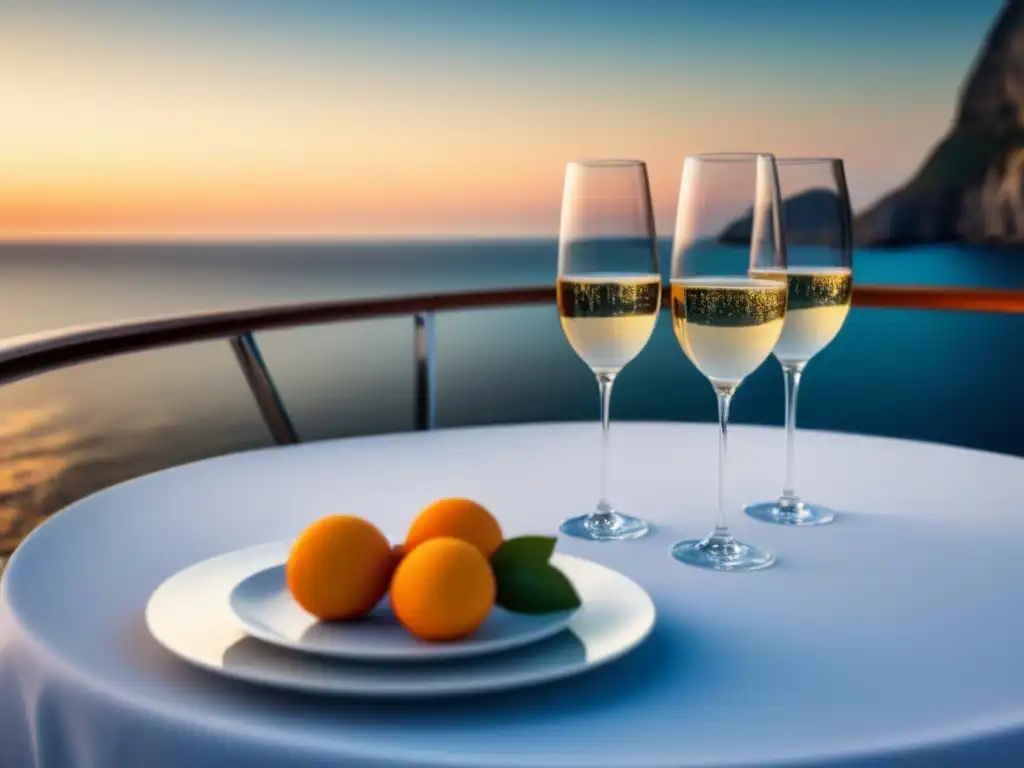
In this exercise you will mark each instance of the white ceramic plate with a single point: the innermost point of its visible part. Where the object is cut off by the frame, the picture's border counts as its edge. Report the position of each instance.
(267, 611)
(190, 614)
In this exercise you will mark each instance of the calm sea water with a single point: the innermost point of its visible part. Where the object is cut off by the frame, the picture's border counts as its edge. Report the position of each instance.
(948, 377)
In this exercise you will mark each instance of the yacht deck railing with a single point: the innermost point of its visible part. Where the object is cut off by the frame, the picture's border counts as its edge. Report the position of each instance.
(28, 356)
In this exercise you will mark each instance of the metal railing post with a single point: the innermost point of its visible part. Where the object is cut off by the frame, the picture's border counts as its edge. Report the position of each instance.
(256, 373)
(425, 413)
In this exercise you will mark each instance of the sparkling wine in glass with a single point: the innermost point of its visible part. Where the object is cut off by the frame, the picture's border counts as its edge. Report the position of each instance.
(819, 243)
(728, 306)
(609, 295)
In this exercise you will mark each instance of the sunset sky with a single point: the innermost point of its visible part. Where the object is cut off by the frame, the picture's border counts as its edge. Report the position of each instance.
(399, 118)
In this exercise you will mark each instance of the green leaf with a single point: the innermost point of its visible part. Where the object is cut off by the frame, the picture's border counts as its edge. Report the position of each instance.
(522, 552)
(535, 588)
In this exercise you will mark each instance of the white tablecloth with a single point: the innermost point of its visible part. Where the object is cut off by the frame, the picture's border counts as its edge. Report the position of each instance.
(895, 632)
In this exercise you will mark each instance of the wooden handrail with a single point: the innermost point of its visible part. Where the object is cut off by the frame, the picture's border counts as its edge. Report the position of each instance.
(939, 298)
(29, 355)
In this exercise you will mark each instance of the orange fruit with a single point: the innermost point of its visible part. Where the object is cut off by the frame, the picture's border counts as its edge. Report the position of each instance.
(459, 518)
(339, 568)
(443, 589)
(397, 553)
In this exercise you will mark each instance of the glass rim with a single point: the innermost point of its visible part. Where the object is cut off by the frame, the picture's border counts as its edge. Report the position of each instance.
(730, 157)
(606, 163)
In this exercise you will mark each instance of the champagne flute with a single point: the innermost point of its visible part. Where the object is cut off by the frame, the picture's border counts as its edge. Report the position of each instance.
(728, 305)
(609, 295)
(820, 258)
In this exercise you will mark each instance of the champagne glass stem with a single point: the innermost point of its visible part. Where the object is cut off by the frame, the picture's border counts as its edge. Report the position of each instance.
(788, 509)
(605, 381)
(720, 550)
(791, 374)
(724, 399)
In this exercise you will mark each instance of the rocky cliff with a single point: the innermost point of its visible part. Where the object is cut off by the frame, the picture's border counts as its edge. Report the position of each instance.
(812, 218)
(971, 187)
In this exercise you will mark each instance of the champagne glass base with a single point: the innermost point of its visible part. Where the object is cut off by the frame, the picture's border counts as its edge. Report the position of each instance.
(721, 553)
(604, 526)
(794, 513)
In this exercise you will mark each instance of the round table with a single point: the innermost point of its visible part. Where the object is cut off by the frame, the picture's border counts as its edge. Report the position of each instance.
(894, 633)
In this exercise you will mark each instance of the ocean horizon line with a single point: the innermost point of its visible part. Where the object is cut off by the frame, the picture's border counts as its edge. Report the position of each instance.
(120, 242)
(273, 239)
